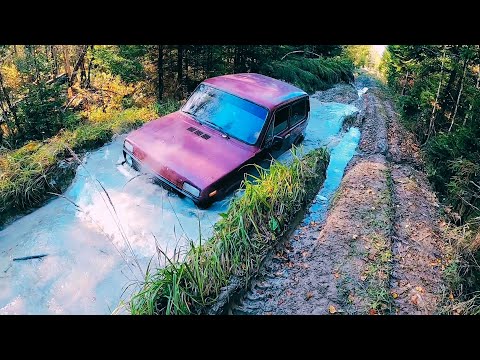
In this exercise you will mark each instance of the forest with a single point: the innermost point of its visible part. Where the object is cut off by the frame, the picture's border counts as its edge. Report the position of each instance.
(43, 88)
(59, 99)
(438, 95)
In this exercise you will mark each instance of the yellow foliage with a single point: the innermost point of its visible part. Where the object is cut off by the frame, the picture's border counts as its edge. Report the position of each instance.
(113, 89)
(121, 120)
(11, 76)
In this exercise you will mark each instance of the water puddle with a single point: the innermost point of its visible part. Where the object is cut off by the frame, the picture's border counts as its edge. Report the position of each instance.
(340, 155)
(95, 253)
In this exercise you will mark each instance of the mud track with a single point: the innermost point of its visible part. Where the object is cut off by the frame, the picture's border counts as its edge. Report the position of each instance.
(380, 249)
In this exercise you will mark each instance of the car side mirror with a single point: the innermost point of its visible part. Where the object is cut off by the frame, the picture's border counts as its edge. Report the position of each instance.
(277, 143)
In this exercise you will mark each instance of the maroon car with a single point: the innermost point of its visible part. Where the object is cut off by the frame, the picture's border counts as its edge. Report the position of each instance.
(229, 122)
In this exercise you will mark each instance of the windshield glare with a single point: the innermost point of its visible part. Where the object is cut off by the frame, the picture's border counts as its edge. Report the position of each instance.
(232, 115)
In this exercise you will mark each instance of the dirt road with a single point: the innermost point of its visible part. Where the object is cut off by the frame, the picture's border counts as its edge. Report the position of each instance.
(380, 249)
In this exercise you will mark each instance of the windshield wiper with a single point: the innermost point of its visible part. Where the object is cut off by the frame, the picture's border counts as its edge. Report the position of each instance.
(193, 116)
(219, 129)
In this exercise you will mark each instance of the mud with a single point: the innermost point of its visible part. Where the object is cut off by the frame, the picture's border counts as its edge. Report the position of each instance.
(341, 93)
(403, 147)
(380, 249)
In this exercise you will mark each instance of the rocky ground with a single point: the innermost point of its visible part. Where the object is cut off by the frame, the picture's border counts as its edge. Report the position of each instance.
(381, 248)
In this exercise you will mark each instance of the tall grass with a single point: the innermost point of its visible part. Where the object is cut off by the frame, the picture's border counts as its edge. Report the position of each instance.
(311, 74)
(240, 241)
(28, 174)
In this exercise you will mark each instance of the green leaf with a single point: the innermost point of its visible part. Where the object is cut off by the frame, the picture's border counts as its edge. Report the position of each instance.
(274, 226)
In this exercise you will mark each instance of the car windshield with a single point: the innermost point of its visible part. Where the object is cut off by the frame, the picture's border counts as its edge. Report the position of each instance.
(228, 113)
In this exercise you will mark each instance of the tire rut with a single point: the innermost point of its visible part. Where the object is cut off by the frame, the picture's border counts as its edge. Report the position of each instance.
(380, 248)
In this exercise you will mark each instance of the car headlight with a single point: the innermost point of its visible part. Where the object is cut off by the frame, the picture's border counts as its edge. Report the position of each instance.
(191, 189)
(128, 146)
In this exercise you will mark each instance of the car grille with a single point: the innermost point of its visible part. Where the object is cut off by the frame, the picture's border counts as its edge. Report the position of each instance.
(157, 180)
(166, 186)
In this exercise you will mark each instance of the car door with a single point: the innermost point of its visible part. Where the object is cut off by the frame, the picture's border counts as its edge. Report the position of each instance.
(278, 133)
(299, 111)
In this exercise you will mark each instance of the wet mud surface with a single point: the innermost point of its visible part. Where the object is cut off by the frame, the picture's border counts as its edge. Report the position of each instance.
(379, 249)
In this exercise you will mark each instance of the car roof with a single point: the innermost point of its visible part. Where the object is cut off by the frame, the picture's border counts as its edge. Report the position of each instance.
(260, 89)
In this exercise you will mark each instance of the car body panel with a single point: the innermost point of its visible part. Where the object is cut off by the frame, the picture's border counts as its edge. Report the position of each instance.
(260, 89)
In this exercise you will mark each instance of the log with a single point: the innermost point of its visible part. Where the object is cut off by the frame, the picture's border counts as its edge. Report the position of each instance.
(30, 257)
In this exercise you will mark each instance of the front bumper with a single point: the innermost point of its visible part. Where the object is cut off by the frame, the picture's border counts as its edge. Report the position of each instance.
(139, 166)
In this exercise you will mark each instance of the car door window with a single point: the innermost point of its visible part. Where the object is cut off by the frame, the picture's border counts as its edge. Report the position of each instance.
(281, 120)
(299, 112)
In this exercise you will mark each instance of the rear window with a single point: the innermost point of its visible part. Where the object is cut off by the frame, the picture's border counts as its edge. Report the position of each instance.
(299, 112)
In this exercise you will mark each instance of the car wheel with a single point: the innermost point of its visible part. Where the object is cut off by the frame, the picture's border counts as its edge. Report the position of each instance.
(129, 160)
(204, 204)
(299, 140)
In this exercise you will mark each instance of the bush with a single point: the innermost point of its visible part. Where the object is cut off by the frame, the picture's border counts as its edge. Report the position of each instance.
(454, 170)
(311, 74)
(30, 172)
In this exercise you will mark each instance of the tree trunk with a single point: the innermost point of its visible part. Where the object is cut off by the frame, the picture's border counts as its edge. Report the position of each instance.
(446, 92)
(3, 118)
(160, 73)
(87, 85)
(68, 69)
(471, 105)
(10, 107)
(236, 58)
(79, 62)
(83, 74)
(209, 60)
(431, 127)
(66, 59)
(185, 55)
(55, 62)
(459, 94)
(405, 83)
(180, 65)
(31, 53)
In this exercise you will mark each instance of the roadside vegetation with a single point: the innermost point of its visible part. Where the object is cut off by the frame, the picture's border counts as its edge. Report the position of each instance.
(251, 226)
(312, 74)
(56, 97)
(438, 93)
(37, 170)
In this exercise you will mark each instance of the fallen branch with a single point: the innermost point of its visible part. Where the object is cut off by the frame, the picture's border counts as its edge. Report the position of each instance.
(300, 51)
(30, 257)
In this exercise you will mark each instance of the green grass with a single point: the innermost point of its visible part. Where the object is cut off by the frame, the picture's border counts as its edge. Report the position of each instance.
(378, 274)
(311, 74)
(31, 173)
(461, 269)
(241, 239)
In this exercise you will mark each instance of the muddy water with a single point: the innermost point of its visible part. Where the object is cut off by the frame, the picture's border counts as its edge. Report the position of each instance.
(340, 155)
(97, 253)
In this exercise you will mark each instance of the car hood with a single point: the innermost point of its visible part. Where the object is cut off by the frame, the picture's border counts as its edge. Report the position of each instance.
(179, 148)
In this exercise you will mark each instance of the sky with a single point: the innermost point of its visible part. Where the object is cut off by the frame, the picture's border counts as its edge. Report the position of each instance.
(379, 48)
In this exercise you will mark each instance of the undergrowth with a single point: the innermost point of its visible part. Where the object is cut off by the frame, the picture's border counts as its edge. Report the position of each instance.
(30, 173)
